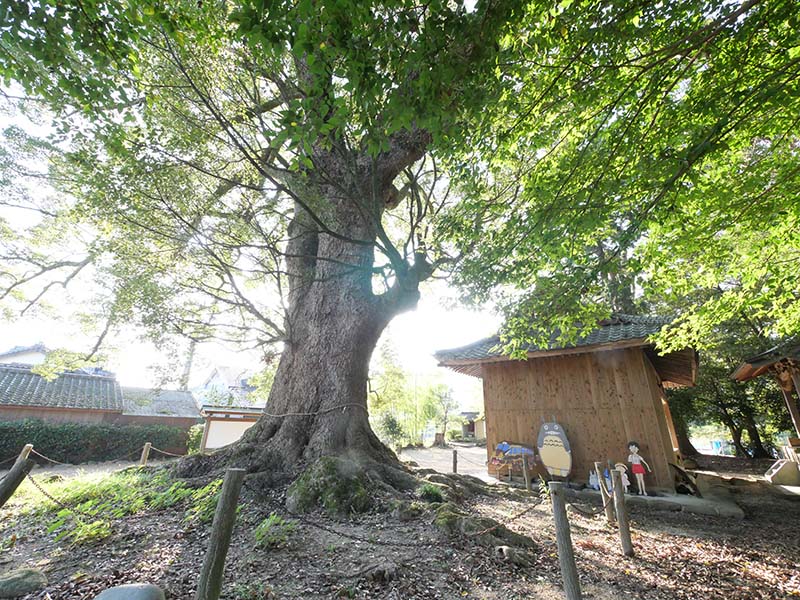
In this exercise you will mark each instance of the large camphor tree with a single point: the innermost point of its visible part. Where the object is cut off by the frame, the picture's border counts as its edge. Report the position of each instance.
(291, 172)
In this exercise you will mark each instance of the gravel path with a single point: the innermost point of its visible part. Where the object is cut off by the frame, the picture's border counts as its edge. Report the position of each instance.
(471, 460)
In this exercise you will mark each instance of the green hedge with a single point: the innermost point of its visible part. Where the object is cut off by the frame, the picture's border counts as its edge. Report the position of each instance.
(77, 443)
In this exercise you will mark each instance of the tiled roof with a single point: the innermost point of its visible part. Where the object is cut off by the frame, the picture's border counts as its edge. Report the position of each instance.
(20, 387)
(24, 350)
(616, 329)
(159, 403)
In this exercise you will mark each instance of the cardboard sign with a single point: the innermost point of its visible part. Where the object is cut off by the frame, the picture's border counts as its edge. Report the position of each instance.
(554, 450)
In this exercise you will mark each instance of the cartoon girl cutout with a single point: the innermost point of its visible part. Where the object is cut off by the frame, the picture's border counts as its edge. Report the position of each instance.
(636, 466)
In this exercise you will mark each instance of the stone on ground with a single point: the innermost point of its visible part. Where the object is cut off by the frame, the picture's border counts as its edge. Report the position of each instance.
(20, 582)
(132, 591)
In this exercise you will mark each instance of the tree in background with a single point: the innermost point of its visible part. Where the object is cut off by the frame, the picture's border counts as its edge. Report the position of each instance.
(295, 170)
(752, 412)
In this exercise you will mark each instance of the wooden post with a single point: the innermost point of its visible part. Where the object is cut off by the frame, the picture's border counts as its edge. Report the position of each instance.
(604, 495)
(210, 583)
(455, 461)
(19, 470)
(566, 558)
(525, 473)
(622, 513)
(145, 454)
(25, 453)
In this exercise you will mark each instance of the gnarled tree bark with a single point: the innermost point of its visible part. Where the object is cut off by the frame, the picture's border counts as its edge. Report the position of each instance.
(318, 402)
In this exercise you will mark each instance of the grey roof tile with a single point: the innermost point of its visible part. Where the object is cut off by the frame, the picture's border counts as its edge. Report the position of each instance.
(618, 328)
(21, 387)
(159, 403)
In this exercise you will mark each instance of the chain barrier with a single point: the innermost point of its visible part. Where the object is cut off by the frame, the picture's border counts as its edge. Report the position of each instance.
(590, 512)
(315, 413)
(2, 462)
(313, 523)
(58, 502)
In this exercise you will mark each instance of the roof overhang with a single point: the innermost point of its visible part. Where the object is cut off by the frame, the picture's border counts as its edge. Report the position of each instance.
(231, 412)
(474, 367)
(780, 360)
(675, 369)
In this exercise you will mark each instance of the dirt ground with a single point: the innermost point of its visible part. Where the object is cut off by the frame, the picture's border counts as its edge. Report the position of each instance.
(677, 555)
(471, 460)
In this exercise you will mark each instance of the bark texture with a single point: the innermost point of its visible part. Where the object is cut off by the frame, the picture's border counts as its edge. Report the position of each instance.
(318, 403)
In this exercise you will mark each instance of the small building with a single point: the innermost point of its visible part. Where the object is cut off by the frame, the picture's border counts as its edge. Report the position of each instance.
(226, 385)
(783, 363)
(226, 424)
(89, 396)
(28, 355)
(473, 425)
(176, 408)
(605, 390)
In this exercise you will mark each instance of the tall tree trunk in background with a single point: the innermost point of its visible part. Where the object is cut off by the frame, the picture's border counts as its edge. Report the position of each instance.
(736, 434)
(756, 445)
(685, 446)
(187, 366)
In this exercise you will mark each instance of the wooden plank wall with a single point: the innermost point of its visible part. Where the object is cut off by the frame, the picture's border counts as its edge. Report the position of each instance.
(603, 399)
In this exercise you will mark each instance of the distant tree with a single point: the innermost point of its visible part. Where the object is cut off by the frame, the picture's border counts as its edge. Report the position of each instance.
(444, 403)
(752, 412)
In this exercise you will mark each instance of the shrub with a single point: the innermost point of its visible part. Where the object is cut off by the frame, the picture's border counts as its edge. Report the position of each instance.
(273, 531)
(77, 443)
(431, 493)
(390, 430)
(194, 438)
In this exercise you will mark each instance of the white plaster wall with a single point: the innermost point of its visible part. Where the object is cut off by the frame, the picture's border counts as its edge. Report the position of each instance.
(222, 433)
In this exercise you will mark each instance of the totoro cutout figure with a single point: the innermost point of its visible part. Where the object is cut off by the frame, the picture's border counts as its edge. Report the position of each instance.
(554, 450)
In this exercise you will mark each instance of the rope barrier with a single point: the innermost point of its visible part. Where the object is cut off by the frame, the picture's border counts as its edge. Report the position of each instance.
(165, 452)
(591, 512)
(2, 462)
(55, 462)
(58, 502)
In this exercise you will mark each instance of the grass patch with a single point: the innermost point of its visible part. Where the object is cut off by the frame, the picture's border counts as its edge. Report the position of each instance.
(94, 501)
(274, 531)
(431, 493)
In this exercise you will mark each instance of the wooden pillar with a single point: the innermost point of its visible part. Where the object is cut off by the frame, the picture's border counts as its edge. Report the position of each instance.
(455, 461)
(525, 473)
(20, 469)
(604, 495)
(622, 513)
(788, 397)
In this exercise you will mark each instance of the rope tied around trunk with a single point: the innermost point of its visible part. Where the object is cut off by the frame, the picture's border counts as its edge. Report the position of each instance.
(319, 412)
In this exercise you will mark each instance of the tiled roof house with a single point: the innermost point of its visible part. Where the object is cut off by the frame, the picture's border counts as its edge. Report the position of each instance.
(89, 397)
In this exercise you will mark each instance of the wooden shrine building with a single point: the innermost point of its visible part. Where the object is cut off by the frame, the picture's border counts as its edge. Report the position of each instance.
(606, 389)
(783, 363)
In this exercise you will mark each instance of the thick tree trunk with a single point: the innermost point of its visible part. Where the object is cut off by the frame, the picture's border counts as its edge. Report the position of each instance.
(685, 446)
(756, 445)
(318, 402)
(321, 388)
